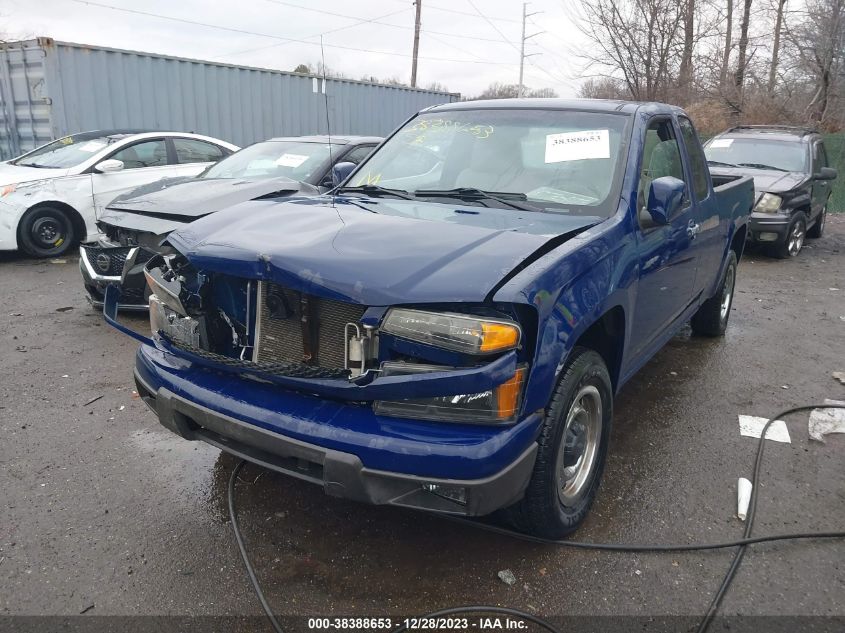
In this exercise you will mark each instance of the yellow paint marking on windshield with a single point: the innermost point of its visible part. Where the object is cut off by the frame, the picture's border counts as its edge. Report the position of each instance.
(369, 179)
(479, 130)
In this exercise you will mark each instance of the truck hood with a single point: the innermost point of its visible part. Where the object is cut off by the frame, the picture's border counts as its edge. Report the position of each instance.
(374, 252)
(766, 180)
(169, 204)
(11, 174)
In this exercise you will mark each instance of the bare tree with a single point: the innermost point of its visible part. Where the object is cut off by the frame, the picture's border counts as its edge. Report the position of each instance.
(637, 41)
(742, 59)
(819, 40)
(726, 56)
(773, 69)
(685, 73)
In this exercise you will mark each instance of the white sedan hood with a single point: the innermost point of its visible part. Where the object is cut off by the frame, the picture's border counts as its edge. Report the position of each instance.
(11, 174)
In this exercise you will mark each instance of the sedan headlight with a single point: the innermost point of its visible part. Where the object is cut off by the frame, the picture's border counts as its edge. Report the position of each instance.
(499, 405)
(457, 332)
(768, 203)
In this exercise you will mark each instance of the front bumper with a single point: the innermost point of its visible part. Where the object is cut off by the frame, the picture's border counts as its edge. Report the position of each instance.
(768, 228)
(103, 264)
(345, 448)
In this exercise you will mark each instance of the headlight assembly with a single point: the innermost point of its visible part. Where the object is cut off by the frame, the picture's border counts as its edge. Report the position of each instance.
(496, 406)
(768, 203)
(168, 292)
(457, 332)
(175, 326)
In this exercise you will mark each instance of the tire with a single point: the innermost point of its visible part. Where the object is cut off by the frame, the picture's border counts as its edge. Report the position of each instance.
(818, 228)
(46, 232)
(795, 234)
(712, 316)
(560, 492)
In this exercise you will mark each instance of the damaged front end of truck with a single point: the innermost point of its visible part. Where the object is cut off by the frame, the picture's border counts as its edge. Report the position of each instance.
(405, 404)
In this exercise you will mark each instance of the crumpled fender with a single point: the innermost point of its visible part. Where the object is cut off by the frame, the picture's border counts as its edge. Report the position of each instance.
(429, 385)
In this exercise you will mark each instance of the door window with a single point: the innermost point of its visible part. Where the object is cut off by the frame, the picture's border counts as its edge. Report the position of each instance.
(190, 150)
(358, 154)
(144, 154)
(698, 162)
(819, 156)
(661, 157)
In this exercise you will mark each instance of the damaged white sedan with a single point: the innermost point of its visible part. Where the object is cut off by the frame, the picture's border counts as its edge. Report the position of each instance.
(50, 198)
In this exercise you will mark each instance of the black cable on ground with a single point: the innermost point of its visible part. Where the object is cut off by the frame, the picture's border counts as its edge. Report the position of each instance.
(742, 543)
(249, 569)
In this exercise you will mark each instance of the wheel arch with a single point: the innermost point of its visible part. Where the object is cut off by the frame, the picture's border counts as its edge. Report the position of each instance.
(606, 337)
(75, 217)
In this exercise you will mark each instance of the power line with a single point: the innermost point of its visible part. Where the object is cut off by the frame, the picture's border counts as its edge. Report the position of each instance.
(276, 37)
(388, 24)
(308, 37)
(455, 11)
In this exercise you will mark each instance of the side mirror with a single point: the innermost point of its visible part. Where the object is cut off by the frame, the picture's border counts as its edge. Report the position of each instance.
(341, 171)
(827, 173)
(665, 196)
(109, 166)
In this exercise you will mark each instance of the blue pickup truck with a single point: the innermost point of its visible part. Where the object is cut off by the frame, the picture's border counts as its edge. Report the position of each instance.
(446, 330)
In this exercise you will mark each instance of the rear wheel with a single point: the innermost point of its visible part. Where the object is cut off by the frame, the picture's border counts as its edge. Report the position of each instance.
(794, 241)
(572, 450)
(46, 232)
(818, 228)
(712, 316)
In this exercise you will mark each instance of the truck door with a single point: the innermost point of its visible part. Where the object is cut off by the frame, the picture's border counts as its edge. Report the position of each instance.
(709, 228)
(667, 263)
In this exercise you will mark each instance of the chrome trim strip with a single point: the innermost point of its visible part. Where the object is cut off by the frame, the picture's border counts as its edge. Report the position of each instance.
(257, 337)
(129, 263)
(91, 272)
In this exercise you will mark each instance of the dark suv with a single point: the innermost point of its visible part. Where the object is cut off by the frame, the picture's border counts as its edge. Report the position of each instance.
(792, 181)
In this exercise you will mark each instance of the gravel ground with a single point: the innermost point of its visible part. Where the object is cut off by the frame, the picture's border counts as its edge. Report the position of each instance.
(105, 512)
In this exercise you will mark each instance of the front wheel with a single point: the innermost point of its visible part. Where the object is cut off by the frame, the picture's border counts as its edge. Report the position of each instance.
(46, 232)
(712, 316)
(572, 450)
(795, 234)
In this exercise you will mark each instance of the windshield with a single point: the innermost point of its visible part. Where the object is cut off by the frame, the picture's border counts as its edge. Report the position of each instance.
(271, 159)
(553, 160)
(758, 153)
(69, 151)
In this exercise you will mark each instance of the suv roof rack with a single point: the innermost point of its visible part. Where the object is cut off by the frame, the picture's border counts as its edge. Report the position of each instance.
(796, 129)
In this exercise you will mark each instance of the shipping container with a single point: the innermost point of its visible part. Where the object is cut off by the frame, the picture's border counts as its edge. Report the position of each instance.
(49, 89)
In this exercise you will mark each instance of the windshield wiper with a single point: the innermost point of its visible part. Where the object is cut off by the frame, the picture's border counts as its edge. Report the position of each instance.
(722, 163)
(507, 198)
(761, 166)
(375, 190)
(33, 165)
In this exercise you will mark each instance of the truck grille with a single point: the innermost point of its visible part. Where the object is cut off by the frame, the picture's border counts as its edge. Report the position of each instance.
(279, 328)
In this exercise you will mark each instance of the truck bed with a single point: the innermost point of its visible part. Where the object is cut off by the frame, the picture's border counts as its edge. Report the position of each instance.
(735, 194)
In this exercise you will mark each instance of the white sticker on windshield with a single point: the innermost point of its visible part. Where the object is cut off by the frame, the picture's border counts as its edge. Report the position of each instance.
(577, 145)
(721, 143)
(291, 160)
(93, 146)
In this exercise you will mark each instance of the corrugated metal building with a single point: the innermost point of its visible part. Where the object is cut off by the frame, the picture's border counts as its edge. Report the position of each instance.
(49, 89)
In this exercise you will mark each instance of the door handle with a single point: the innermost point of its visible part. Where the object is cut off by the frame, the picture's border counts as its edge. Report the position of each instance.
(693, 229)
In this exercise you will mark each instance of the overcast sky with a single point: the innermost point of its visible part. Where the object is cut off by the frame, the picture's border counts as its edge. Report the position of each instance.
(458, 47)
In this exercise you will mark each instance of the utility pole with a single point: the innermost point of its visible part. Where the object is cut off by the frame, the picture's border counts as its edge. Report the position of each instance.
(522, 54)
(418, 4)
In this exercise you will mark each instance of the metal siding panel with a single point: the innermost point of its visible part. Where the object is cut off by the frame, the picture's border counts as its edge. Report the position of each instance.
(92, 87)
